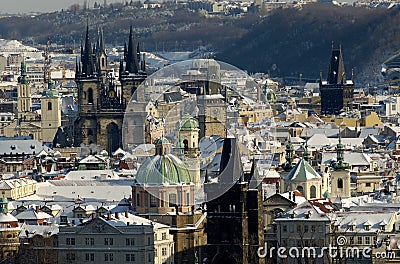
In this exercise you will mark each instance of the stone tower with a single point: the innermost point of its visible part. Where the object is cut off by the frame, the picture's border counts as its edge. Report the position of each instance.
(336, 91)
(340, 176)
(24, 94)
(101, 104)
(51, 114)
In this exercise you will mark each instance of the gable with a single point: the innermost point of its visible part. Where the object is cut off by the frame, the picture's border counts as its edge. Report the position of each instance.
(278, 199)
(97, 226)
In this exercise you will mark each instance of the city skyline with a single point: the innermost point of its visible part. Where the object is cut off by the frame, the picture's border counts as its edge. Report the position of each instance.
(22, 6)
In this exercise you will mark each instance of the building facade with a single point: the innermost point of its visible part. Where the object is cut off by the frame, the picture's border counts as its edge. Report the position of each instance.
(101, 104)
(117, 238)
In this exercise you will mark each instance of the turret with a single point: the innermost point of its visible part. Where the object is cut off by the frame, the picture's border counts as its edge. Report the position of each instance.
(289, 156)
(340, 164)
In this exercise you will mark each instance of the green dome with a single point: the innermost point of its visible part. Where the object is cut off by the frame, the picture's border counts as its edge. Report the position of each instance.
(162, 169)
(51, 93)
(190, 124)
(161, 141)
(269, 94)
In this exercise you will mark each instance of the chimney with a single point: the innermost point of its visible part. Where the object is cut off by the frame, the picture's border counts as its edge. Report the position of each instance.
(116, 215)
(126, 214)
(93, 215)
(109, 216)
(37, 209)
(294, 197)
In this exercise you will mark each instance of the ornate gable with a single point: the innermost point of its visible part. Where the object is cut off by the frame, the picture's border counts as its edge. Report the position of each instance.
(97, 225)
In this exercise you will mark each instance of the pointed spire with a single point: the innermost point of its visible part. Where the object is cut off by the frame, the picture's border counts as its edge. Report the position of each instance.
(87, 57)
(23, 79)
(132, 60)
(340, 165)
(306, 154)
(289, 155)
(121, 67)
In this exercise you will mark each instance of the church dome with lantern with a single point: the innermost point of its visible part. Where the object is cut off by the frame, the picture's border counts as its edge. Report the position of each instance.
(163, 168)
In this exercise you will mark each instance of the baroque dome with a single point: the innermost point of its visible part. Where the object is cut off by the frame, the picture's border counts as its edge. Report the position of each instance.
(163, 169)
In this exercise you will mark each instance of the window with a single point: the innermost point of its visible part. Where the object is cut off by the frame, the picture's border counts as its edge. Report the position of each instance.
(108, 241)
(305, 228)
(298, 228)
(188, 199)
(137, 199)
(108, 257)
(340, 183)
(130, 257)
(313, 192)
(49, 106)
(359, 240)
(393, 107)
(89, 241)
(70, 241)
(164, 236)
(164, 251)
(130, 241)
(367, 184)
(148, 241)
(313, 228)
(150, 258)
(90, 96)
(89, 257)
(284, 229)
(172, 200)
(70, 256)
(367, 240)
(153, 201)
(300, 189)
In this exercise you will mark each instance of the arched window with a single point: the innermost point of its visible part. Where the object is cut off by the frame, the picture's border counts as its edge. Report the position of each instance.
(185, 144)
(90, 96)
(313, 192)
(340, 183)
(49, 106)
(90, 132)
(300, 189)
(103, 62)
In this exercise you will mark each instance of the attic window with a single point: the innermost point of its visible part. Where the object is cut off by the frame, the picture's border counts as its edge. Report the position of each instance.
(33, 146)
(13, 147)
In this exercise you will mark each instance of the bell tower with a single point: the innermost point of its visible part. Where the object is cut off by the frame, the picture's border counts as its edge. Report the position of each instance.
(24, 94)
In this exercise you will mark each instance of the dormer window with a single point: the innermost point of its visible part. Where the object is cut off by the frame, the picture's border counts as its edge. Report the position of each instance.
(367, 226)
(13, 147)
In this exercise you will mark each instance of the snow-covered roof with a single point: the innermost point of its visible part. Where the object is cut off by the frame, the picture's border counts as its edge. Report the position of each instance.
(352, 158)
(31, 214)
(84, 175)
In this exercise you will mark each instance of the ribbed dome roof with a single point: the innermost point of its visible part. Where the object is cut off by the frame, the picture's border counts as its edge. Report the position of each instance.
(189, 124)
(162, 169)
(51, 93)
(161, 141)
(302, 172)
